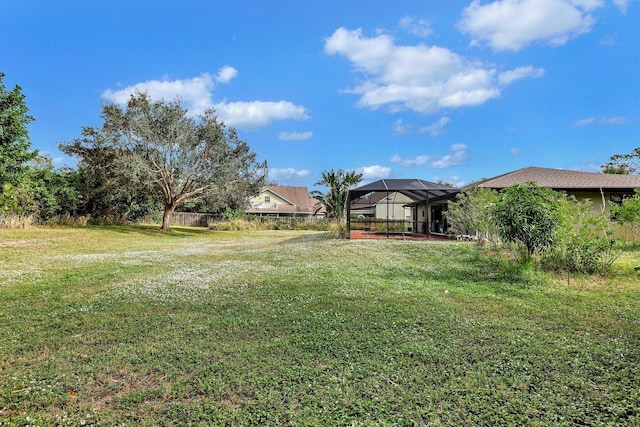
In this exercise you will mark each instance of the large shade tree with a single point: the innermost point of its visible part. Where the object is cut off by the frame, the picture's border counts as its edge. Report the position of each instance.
(335, 200)
(111, 188)
(15, 147)
(181, 157)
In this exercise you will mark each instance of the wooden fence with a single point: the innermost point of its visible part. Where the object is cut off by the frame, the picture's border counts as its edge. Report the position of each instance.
(192, 219)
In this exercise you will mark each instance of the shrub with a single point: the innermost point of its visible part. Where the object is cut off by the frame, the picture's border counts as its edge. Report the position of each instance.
(584, 242)
(528, 216)
(14, 221)
(468, 214)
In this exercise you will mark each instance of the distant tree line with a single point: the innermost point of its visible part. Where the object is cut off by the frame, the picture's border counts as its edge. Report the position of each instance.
(146, 160)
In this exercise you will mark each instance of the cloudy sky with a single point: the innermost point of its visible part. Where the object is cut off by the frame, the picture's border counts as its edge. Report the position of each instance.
(440, 90)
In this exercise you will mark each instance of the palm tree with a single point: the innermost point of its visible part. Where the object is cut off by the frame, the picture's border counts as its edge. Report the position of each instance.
(335, 200)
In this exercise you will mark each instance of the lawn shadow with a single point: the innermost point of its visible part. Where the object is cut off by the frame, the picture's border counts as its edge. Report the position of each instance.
(154, 230)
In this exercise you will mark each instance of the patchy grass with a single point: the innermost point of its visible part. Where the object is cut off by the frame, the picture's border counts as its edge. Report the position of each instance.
(131, 326)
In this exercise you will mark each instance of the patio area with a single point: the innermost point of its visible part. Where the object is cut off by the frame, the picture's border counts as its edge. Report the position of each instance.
(398, 235)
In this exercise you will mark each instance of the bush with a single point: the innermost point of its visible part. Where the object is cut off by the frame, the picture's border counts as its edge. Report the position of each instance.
(14, 221)
(584, 242)
(338, 230)
(528, 215)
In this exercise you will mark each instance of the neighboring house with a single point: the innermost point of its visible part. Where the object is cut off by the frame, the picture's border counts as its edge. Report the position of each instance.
(279, 201)
(597, 187)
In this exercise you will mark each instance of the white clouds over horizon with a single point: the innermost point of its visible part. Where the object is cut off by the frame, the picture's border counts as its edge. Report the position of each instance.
(196, 94)
(374, 172)
(446, 161)
(419, 78)
(516, 24)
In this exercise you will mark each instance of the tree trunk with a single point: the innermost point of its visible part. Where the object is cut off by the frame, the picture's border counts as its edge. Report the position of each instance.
(166, 216)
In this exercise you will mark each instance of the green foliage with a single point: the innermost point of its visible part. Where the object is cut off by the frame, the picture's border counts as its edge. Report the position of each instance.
(625, 164)
(185, 158)
(469, 214)
(153, 153)
(628, 214)
(584, 242)
(528, 215)
(15, 147)
(335, 200)
(112, 187)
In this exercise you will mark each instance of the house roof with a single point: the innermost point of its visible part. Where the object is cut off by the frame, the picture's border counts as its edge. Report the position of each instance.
(561, 179)
(298, 198)
(416, 189)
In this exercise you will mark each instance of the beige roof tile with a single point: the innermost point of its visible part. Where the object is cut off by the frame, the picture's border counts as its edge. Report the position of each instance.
(561, 179)
(301, 202)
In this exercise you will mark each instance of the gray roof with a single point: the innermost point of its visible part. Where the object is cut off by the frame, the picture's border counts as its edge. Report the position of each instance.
(416, 189)
(561, 179)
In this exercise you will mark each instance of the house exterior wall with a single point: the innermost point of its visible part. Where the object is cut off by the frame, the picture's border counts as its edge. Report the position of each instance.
(258, 202)
(394, 208)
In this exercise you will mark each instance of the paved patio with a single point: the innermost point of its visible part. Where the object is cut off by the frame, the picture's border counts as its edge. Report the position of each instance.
(397, 235)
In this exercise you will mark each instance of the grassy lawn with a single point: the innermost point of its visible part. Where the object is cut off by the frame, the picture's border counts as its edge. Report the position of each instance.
(130, 326)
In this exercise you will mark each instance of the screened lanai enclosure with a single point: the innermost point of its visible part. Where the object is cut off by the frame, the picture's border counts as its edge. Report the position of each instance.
(399, 208)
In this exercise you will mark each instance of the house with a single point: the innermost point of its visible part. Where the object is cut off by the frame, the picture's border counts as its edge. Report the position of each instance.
(417, 203)
(598, 187)
(282, 201)
(382, 206)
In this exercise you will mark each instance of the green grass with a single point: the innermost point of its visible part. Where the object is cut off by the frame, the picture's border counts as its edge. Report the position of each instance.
(131, 326)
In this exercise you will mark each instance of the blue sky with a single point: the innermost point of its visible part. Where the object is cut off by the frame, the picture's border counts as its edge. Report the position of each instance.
(453, 91)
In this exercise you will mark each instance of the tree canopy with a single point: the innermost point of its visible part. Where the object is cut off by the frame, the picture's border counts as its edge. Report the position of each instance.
(15, 147)
(157, 145)
(624, 164)
(336, 198)
(527, 214)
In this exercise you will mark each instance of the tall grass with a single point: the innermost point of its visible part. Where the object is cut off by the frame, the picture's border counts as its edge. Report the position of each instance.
(130, 326)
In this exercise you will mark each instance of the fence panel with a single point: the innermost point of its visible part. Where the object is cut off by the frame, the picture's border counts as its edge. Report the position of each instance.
(192, 219)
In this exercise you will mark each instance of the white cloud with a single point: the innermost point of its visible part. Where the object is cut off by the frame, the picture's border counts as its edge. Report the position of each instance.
(508, 77)
(437, 128)
(454, 180)
(255, 114)
(294, 136)
(226, 74)
(622, 5)
(374, 172)
(515, 24)
(449, 160)
(416, 161)
(288, 175)
(614, 120)
(420, 78)
(419, 27)
(400, 128)
(196, 95)
(458, 156)
(584, 122)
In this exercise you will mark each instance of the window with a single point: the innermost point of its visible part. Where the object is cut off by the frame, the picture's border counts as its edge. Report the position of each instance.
(617, 199)
(267, 199)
